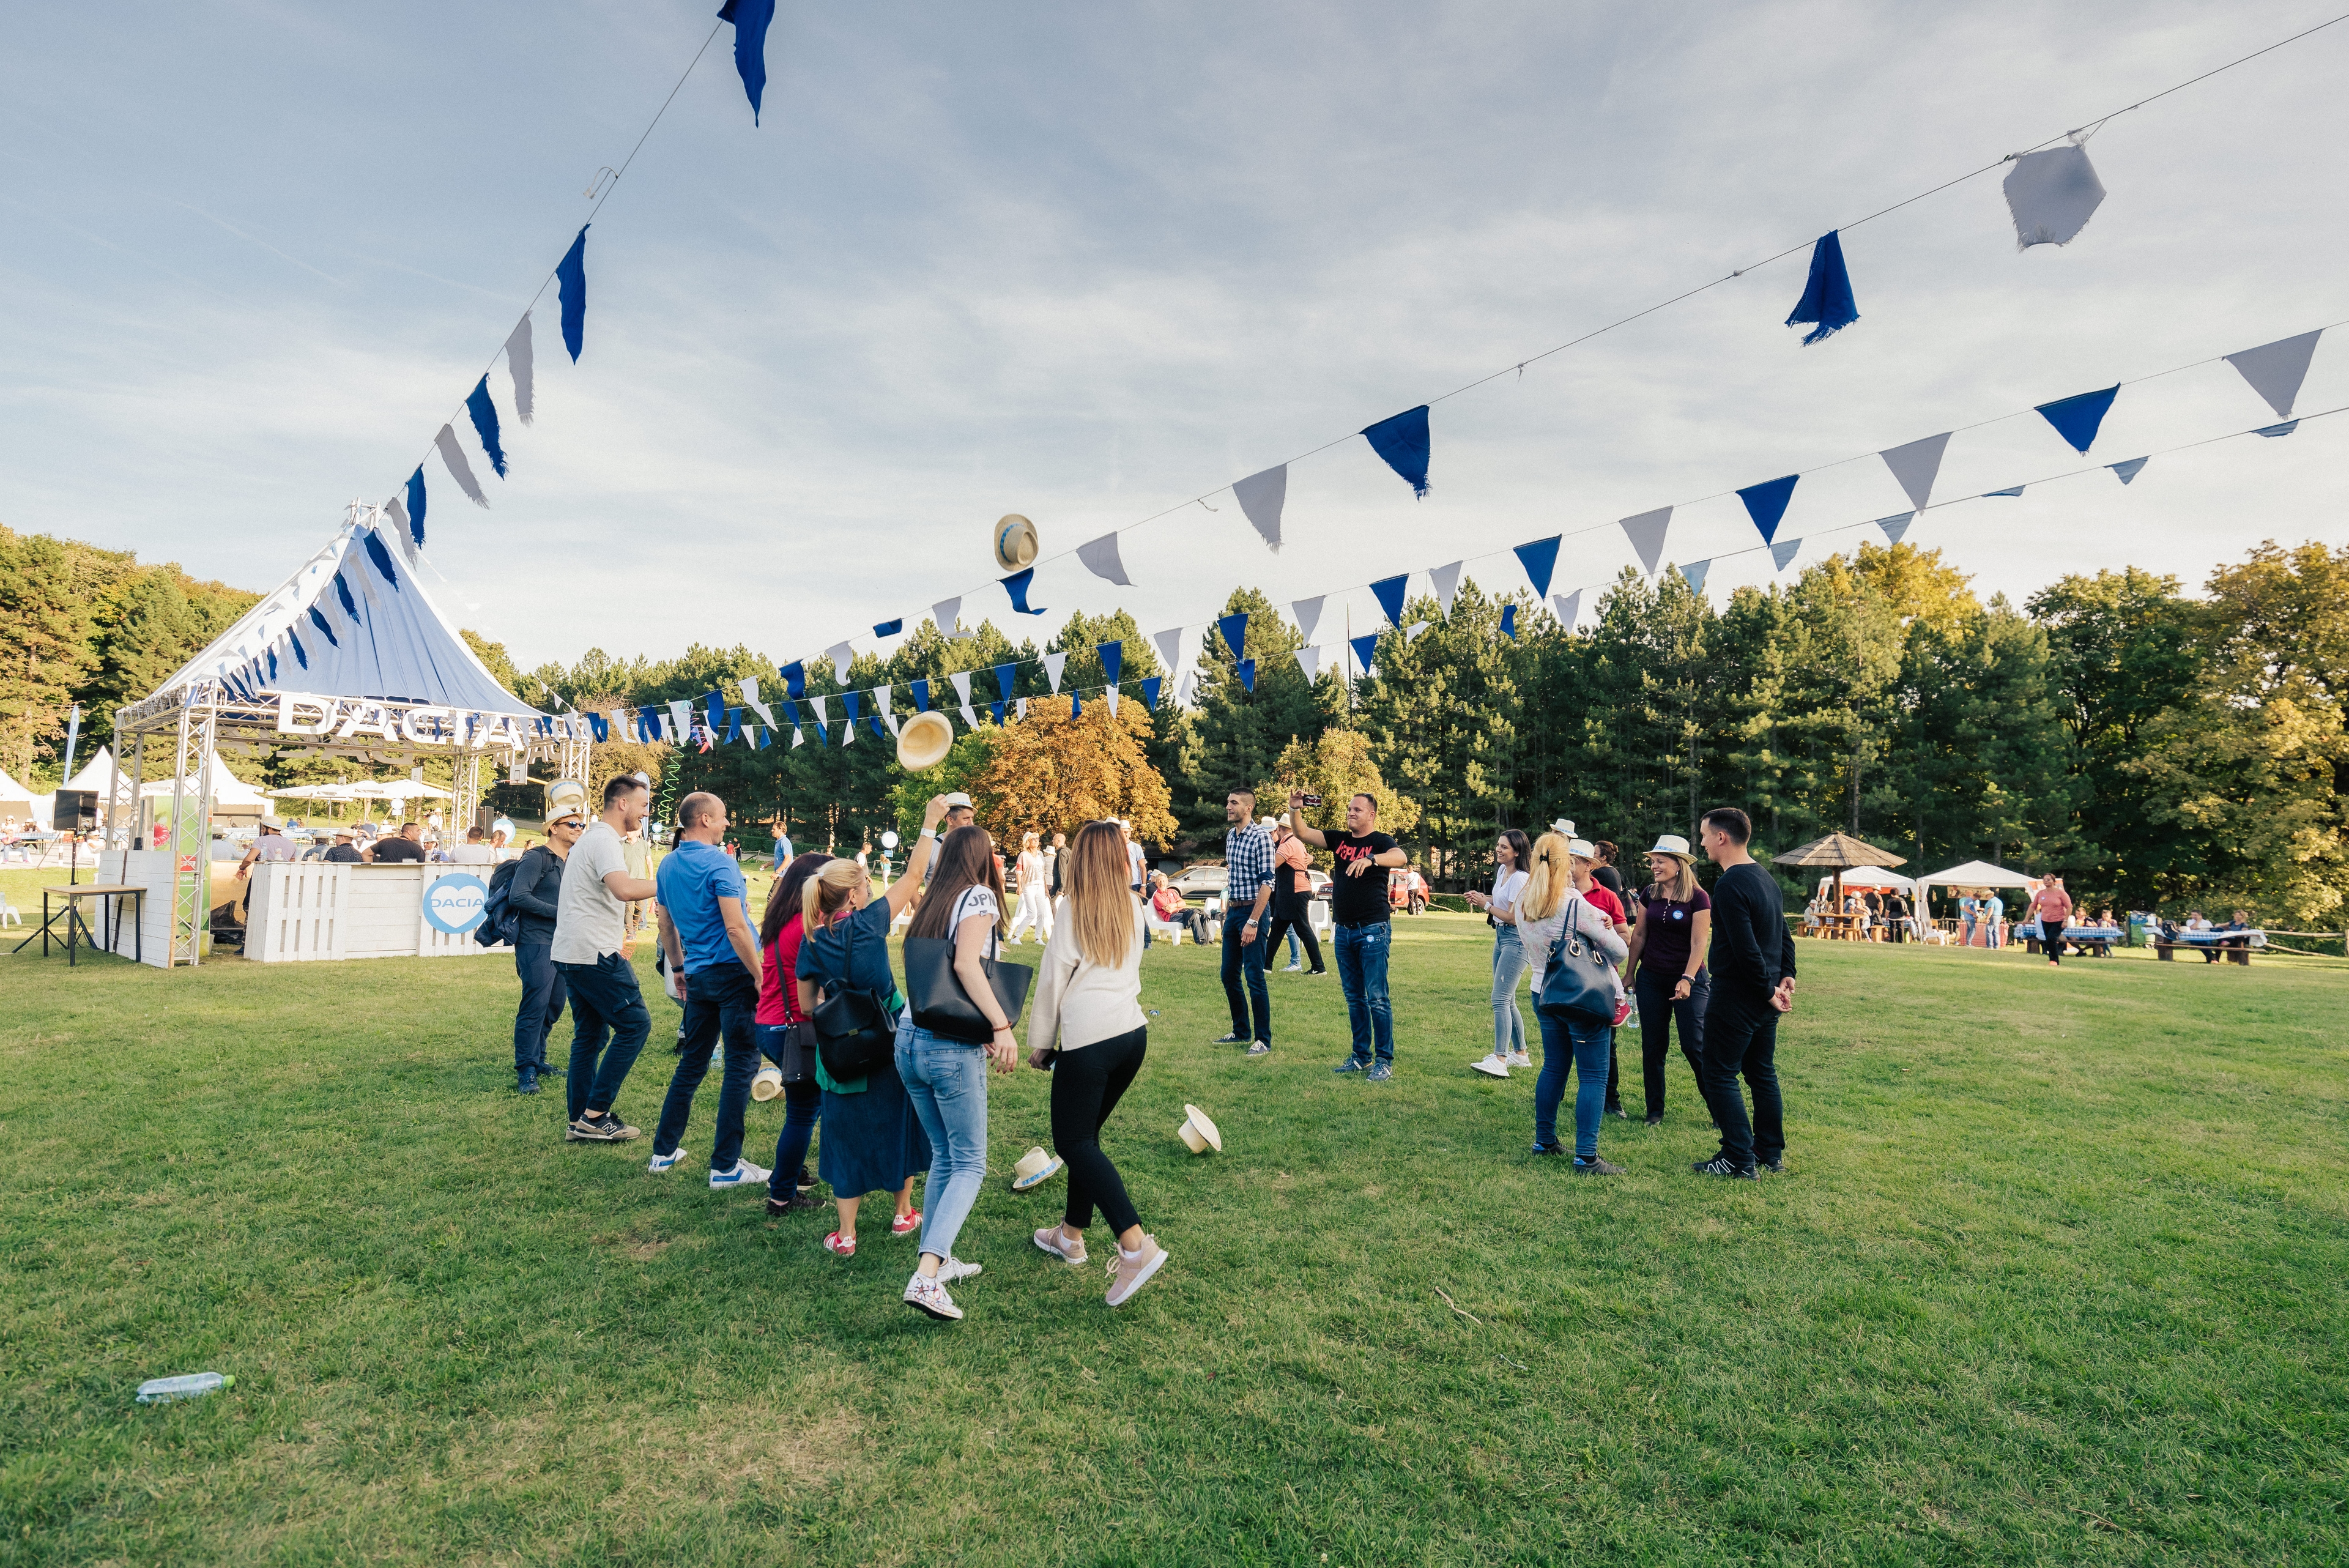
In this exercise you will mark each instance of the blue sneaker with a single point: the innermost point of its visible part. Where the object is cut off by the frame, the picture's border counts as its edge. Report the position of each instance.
(744, 1174)
(1378, 1074)
(1350, 1065)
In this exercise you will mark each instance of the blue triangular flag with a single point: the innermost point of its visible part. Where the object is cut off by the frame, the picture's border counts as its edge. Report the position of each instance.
(1247, 673)
(1782, 551)
(1364, 647)
(2077, 418)
(1389, 593)
(1694, 572)
(1766, 503)
(921, 686)
(751, 18)
(1076, 703)
(794, 676)
(2129, 468)
(1403, 441)
(1016, 585)
(714, 704)
(1539, 560)
(351, 605)
(1112, 661)
(571, 274)
(298, 653)
(2284, 429)
(879, 728)
(853, 700)
(320, 622)
(997, 709)
(1509, 620)
(2015, 490)
(381, 557)
(889, 628)
(1826, 301)
(416, 504)
(1234, 631)
(1150, 690)
(652, 722)
(272, 662)
(734, 725)
(599, 726)
(1004, 675)
(485, 424)
(1896, 526)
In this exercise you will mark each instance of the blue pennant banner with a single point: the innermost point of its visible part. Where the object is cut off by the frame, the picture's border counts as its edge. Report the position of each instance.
(416, 504)
(1150, 690)
(1539, 560)
(2012, 491)
(921, 693)
(2077, 419)
(1766, 503)
(734, 725)
(1234, 631)
(1247, 673)
(1076, 701)
(1403, 442)
(1004, 676)
(2284, 429)
(1694, 571)
(1389, 593)
(1509, 620)
(485, 425)
(714, 704)
(1826, 303)
(750, 19)
(1364, 647)
(381, 557)
(1112, 661)
(1016, 585)
(296, 643)
(794, 676)
(571, 278)
(855, 701)
(600, 727)
(320, 622)
(889, 628)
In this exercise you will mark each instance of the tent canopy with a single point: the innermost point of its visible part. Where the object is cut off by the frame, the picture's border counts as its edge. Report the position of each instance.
(1977, 874)
(11, 791)
(1875, 876)
(228, 791)
(355, 621)
(1837, 849)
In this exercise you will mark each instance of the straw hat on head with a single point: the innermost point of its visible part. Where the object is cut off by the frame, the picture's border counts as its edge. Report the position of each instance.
(1035, 1168)
(1563, 827)
(565, 797)
(1582, 849)
(1672, 843)
(1198, 1134)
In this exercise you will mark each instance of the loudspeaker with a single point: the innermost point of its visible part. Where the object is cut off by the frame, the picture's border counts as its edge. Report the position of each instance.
(76, 811)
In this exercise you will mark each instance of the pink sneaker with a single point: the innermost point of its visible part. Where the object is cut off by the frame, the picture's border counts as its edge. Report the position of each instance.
(840, 1246)
(1622, 1010)
(905, 1224)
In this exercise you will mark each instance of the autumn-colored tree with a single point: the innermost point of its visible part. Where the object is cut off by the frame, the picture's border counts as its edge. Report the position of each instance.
(1337, 766)
(1051, 773)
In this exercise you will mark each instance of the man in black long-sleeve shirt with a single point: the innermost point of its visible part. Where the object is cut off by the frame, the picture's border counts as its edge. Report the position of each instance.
(532, 893)
(1752, 962)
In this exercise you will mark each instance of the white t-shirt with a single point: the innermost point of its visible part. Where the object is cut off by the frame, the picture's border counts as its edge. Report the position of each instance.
(1134, 860)
(976, 901)
(470, 854)
(1507, 887)
(589, 921)
(1031, 870)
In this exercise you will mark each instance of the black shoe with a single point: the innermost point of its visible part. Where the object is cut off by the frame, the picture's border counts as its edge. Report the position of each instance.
(1778, 1164)
(1616, 1109)
(1233, 1038)
(1655, 1121)
(549, 1070)
(797, 1203)
(1549, 1148)
(1718, 1166)
(1594, 1166)
(805, 1179)
(526, 1081)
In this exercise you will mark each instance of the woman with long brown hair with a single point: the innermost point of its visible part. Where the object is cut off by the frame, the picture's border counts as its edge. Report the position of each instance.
(1089, 1029)
(946, 1078)
(872, 1142)
(780, 929)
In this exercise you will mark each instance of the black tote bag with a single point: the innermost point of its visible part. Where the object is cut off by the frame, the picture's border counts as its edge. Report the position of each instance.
(1574, 982)
(855, 1030)
(934, 990)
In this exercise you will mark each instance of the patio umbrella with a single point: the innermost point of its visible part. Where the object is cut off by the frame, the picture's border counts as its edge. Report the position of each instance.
(413, 789)
(1839, 852)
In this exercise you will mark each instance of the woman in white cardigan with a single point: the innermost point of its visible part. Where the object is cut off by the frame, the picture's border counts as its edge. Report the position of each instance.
(1087, 1026)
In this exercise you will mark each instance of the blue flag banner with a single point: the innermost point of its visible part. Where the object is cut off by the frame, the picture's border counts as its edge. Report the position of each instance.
(1112, 661)
(714, 704)
(2077, 418)
(921, 685)
(1365, 646)
(651, 722)
(1150, 690)
(2284, 429)
(571, 278)
(381, 557)
(734, 725)
(1389, 593)
(343, 592)
(1403, 441)
(855, 706)
(1539, 560)
(1826, 303)
(889, 628)
(600, 727)
(879, 728)
(1004, 675)
(485, 425)
(1509, 620)
(1016, 585)
(997, 709)
(2015, 490)
(2129, 468)
(1782, 551)
(1247, 673)
(750, 19)
(1766, 503)
(794, 676)
(1235, 632)
(273, 664)
(416, 504)
(320, 622)
(1076, 701)
(296, 643)
(1694, 572)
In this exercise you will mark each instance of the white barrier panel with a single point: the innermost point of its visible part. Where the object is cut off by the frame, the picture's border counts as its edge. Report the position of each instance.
(150, 937)
(311, 911)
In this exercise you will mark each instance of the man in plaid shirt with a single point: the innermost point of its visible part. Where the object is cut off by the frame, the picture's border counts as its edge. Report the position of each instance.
(1247, 888)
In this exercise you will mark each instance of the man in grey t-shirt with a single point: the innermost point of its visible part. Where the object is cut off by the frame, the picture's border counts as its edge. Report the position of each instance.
(590, 928)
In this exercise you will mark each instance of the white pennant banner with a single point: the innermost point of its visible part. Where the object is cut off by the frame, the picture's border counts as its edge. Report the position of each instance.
(1647, 535)
(751, 695)
(458, 469)
(682, 713)
(1022, 711)
(947, 613)
(839, 653)
(1052, 666)
(1308, 616)
(881, 695)
(1694, 571)
(1261, 496)
(518, 362)
(1447, 583)
(1782, 551)
(1308, 660)
(1111, 693)
(1170, 647)
(1915, 465)
(1099, 559)
(1896, 525)
(1567, 607)
(2275, 370)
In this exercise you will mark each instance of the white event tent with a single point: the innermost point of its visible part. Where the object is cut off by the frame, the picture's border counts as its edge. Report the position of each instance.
(1976, 874)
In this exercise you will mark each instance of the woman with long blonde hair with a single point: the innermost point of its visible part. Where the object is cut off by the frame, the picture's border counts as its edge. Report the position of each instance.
(1667, 953)
(1089, 1030)
(1551, 903)
(1035, 901)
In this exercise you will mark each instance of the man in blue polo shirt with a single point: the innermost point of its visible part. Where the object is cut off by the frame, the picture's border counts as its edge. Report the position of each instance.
(705, 930)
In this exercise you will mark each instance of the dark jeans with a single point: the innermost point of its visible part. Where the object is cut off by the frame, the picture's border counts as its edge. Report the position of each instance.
(1570, 1043)
(543, 993)
(1240, 956)
(603, 1000)
(2051, 937)
(1657, 1013)
(1739, 1044)
(803, 1108)
(719, 1001)
(1363, 976)
(1292, 917)
(1086, 1086)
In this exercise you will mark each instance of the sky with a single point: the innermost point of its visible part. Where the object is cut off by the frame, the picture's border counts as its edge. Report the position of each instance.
(1086, 264)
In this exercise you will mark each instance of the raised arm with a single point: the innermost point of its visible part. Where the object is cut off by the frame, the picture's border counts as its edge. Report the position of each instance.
(903, 891)
(1313, 836)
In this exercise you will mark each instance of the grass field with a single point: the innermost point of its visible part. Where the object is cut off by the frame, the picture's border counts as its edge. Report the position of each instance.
(2056, 1275)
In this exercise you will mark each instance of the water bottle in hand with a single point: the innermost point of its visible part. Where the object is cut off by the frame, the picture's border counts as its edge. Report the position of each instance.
(187, 1386)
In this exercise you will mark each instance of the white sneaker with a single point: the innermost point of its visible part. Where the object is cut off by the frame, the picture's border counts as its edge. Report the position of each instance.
(1519, 1059)
(661, 1162)
(954, 1269)
(1291, 969)
(925, 1294)
(1492, 1065)
(744, 1174)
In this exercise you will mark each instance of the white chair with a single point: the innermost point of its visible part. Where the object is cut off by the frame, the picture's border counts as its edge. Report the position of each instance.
(1163, 930)
(1319, 913)
(8, 913)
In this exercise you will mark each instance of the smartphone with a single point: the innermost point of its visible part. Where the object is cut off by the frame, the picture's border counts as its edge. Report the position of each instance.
(1309, 799)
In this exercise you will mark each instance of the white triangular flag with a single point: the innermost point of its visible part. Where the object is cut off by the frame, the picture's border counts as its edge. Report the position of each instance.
(1308, 660)
(1182, 692)
(1110, 692)
(404, 532)
(799, 736)
(839, 653)
(1023, 707)
(1447, 583)
(2129, 468)
(518, 362)
(751, 695)
(2275, 370)
(947, 613)
(848, 732)
(1782, 551)
(682, 712)
(1308, 616)
(1915, 466)
(1647, 535)
(881, 695)
(961, 679)
(1170, 647)
(2051, 195)
(458, 469)
(1896, 526)
(1410, 633)
(1694, 571)
(1261, 496)
(1099, 556)
(823, 719)
(1566, 607)
(1052, 666)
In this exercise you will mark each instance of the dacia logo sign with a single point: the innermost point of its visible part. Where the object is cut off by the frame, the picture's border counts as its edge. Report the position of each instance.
(455, 903)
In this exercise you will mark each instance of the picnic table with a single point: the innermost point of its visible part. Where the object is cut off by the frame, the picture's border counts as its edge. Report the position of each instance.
(2096, 939)
(2235, 947)
(78, 930)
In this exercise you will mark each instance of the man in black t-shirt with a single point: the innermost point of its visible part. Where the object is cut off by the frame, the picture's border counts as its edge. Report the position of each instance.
(406, 845)
(1357, 907)
(1753, 964)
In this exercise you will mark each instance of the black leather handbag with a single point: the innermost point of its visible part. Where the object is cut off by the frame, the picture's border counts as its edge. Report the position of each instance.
(855, 1032)
(934, 990)
(1576, 982)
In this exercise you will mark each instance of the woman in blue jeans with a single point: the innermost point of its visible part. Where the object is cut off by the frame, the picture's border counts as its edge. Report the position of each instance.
(1512, 862)
(1547, 907)
(946, 1078)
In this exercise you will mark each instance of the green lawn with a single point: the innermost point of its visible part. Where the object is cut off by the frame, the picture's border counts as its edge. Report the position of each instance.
(2056, 1275)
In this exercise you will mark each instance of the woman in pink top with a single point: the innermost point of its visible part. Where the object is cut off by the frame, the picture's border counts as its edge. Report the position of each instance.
(2053, 907)
(779, 1008)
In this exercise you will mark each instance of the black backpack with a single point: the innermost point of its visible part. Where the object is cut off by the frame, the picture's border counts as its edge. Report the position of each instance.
(501, 923)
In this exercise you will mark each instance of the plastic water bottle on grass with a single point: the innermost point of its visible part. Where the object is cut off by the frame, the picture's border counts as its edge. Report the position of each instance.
(187, 1386)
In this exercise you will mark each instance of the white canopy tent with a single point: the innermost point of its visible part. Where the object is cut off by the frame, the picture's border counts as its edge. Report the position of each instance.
(228, 792)
(15, 800)
(1976, 874)
(1876, 877)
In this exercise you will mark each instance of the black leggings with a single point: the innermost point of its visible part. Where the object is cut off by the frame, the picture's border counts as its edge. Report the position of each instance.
(1656, 1011)
(1086, 1084)
(1293, 912)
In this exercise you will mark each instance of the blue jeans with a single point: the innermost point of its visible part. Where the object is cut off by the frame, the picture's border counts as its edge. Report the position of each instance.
(1246, 957)
(543, 993)
(1509, 969)
(1586, 1046)
(603, 1000)
(946, 1081)
(721, 1002)
(1362, 975)
(803, 1108)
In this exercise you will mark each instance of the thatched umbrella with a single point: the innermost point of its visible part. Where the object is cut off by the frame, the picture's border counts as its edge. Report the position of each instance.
(1840, 852)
